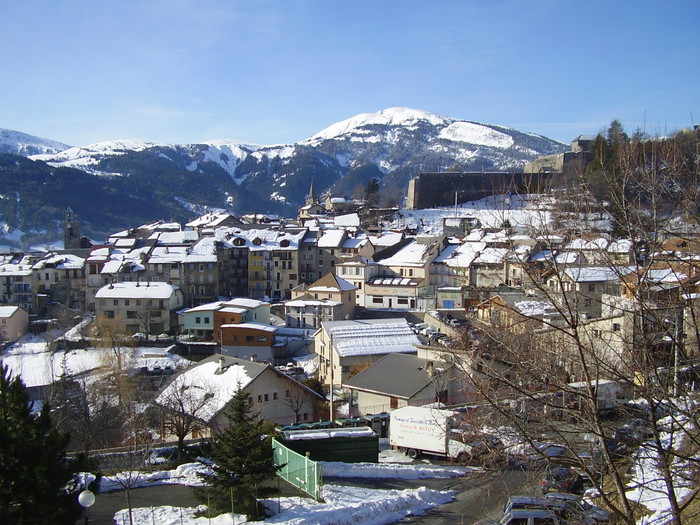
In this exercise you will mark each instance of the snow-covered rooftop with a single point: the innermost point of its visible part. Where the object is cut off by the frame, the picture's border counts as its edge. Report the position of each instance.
(136, 290)
(372, 336)
(207, 380)
(413, 254)
(331, 239)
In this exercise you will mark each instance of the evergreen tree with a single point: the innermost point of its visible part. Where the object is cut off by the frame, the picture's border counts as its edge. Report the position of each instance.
(34, 470)
(242, 456)
(372, 193)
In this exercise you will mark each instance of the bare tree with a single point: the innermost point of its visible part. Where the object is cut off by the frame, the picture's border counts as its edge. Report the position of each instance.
(616, 308)
(294, 397)
(184, 405)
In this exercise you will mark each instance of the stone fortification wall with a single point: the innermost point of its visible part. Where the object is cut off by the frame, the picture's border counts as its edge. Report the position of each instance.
(430, 190)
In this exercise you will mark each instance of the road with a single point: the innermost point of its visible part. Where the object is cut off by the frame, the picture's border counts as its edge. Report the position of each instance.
(479, 496)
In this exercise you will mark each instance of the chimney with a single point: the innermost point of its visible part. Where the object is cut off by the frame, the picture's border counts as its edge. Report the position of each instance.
(429, 368)
(221, 364)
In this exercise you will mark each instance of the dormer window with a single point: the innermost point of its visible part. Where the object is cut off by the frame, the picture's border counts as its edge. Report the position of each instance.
(257, 241)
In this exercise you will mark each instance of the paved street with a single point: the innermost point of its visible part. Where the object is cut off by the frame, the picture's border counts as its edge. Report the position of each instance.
(479, 496)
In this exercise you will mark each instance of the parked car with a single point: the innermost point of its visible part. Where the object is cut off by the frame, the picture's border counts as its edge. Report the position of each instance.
(634, 432)
(559, 508)
(162, 456)
(530, 517)
(562, 479)
(579, 507)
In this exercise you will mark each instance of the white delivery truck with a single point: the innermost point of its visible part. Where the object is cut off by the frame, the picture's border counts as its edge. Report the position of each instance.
(415, 430)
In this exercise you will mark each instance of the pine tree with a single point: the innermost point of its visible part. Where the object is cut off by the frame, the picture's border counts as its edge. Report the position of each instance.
(242, 456)
(372, 193)
(34, 470)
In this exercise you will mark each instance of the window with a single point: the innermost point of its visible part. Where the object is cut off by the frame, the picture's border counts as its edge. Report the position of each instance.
(377, 300)
(202, 290)
(287, 393)
(109, 314)
(591, 287)
(130, 314)
(262, 338)
(267, 398)
(274, 396)
(616, 327)
(260, 398)
(249, 338)
(126, 302)
(201, 267)
(116, 302)
(402, 301)
(197, 320)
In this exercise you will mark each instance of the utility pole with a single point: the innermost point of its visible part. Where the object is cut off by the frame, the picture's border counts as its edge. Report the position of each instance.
(330, 354)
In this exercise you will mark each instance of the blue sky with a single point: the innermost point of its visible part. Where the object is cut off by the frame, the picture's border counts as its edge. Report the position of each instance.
(271, 72)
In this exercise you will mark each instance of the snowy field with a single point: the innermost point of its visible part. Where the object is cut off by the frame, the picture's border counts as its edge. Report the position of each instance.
(30, 359)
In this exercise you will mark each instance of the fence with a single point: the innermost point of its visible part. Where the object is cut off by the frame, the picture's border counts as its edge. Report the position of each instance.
(300, 471)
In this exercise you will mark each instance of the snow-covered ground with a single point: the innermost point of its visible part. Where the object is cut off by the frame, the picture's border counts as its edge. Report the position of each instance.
(30, 358)
(531, 213)
(647, 485)
(342, 504)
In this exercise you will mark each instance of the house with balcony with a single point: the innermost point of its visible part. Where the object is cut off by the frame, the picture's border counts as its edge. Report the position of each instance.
(357, 270)
(200, 273)
(273, 265)
(17, 282)
(60, 280)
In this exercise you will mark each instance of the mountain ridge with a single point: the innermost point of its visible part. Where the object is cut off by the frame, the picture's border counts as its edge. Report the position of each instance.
(391, 145)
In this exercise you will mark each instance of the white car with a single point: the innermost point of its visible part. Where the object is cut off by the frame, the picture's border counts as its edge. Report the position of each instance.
(580, 507)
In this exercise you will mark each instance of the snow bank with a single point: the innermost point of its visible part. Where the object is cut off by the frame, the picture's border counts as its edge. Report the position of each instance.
(186, 474)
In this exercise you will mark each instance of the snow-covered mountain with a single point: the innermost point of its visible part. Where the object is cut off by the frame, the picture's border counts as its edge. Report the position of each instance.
(392, 145)
(19, 143)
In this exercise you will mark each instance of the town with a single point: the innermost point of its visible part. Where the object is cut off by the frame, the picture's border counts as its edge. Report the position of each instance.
(528, 330)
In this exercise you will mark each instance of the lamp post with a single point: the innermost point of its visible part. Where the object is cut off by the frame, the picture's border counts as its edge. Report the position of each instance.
(86, 499)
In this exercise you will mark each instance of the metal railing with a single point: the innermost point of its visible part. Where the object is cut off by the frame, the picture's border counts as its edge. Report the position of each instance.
(300, 471)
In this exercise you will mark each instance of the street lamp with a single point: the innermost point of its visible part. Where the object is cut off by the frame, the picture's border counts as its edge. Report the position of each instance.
(86, 499)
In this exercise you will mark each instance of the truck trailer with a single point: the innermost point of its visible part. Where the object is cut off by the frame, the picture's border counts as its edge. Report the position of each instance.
(418, 430)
